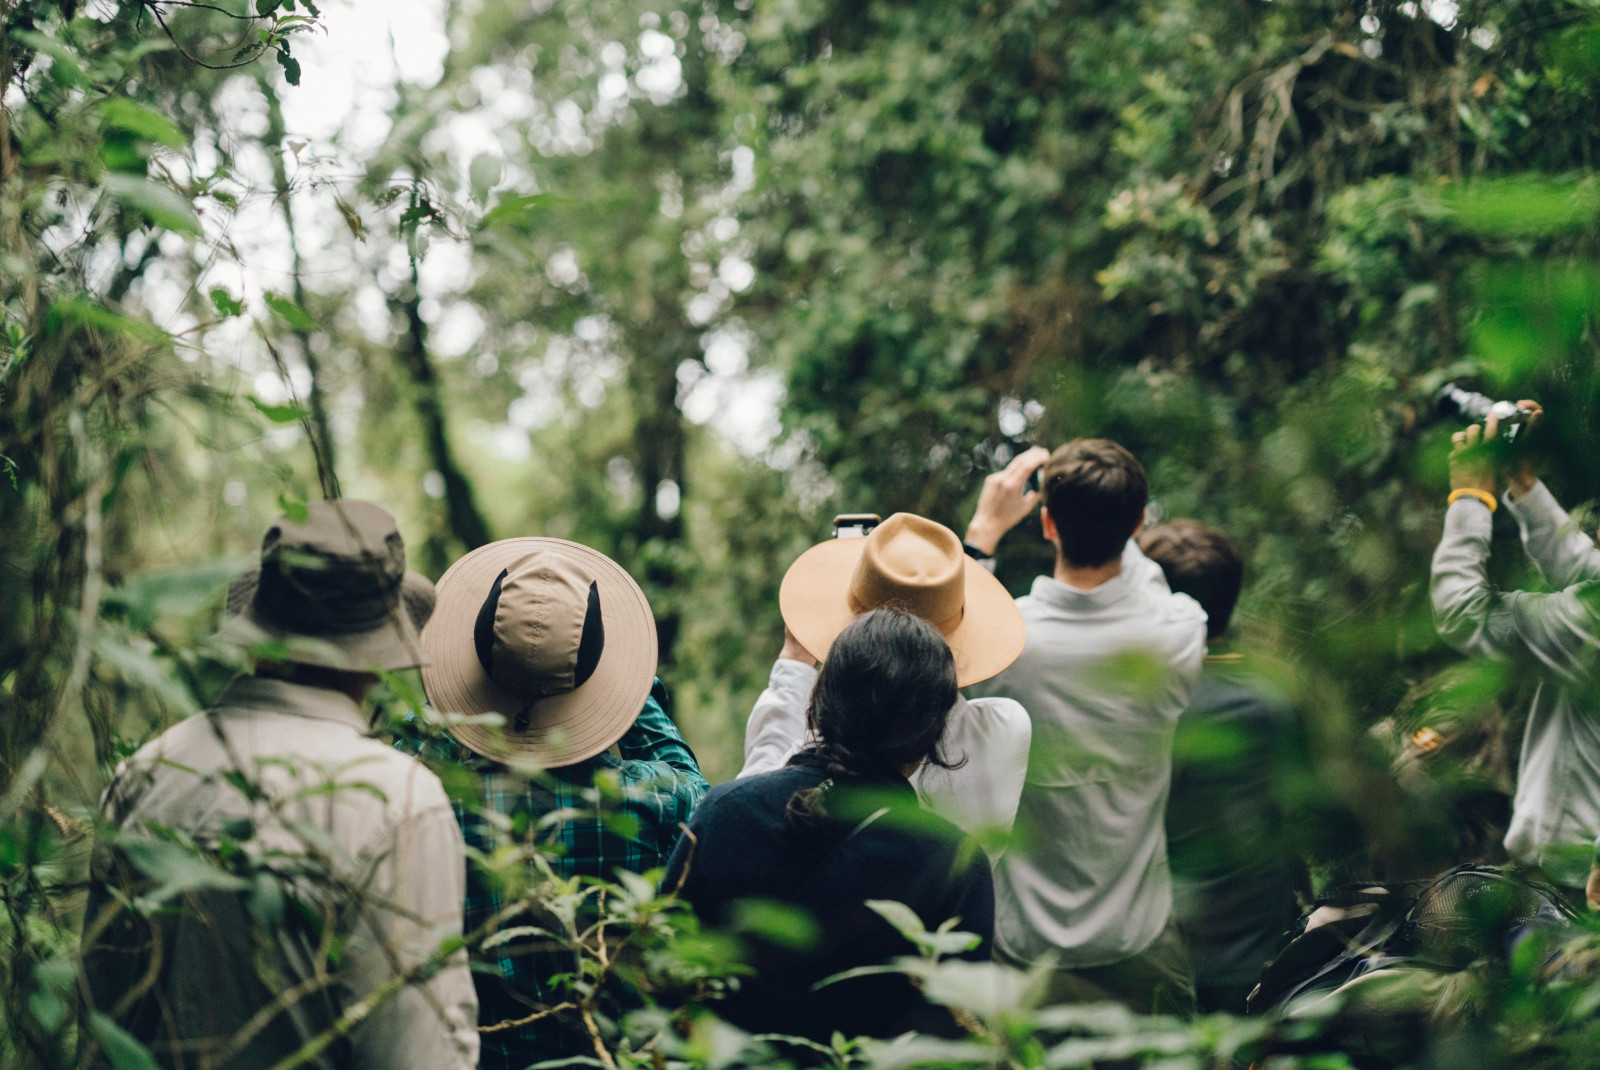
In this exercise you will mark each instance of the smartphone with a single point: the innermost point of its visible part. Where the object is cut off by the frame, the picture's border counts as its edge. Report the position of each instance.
(855, 525)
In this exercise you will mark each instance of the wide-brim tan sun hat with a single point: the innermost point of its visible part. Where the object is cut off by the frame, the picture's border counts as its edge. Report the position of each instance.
(561, 729)
(917, 565)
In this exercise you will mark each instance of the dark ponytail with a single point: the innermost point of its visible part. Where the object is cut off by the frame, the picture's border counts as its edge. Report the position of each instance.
(880, 704)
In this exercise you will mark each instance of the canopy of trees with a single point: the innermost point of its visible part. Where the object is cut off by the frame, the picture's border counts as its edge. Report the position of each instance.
(680, 279)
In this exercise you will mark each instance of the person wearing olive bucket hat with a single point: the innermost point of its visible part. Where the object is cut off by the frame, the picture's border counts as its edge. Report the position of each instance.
(282, 777)
(559, 641)
(917, 565)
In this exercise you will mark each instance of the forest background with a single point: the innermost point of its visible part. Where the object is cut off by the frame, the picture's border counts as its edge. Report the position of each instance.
(682, 280)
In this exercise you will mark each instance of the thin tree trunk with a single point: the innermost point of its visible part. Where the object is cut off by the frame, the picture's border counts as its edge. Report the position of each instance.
(464, 521)
(659, 444)
(317, 402)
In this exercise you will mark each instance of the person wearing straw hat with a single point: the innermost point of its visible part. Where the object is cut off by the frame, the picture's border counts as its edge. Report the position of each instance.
(917, 565)
(1113, 657)
(205, 953)
(558, 641)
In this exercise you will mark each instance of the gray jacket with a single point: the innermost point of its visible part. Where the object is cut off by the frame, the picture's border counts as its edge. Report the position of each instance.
(1556, 813)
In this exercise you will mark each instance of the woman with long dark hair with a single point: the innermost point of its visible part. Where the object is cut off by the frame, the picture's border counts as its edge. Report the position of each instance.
(836, 827)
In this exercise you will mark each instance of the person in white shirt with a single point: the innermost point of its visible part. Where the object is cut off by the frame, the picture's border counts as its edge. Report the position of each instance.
(1112, 659)
(918, 565)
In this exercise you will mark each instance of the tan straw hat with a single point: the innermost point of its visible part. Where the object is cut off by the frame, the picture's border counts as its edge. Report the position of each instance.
(553, 636)
(330, 590)
(918, 565)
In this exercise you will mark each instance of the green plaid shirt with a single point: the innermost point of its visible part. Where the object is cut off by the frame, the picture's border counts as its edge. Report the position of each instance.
(635, 829)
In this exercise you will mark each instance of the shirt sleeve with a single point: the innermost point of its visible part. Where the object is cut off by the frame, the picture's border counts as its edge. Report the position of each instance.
(1557, 630)
(1563, 554)
(777, 726)
(988, 740)
(655, 755)
(412, 907)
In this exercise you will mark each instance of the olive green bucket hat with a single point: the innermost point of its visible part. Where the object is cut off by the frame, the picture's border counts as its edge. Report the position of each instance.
(332, 590)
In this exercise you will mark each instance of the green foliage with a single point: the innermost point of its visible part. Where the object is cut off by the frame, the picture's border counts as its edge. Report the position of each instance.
(1248, 240)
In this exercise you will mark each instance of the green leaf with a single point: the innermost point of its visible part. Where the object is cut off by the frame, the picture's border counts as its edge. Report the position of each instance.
(265, 8)
(294, 508)
(782, 924)
(483, 175)
(123, 1052)
(293, 314)
(161, 204)
(225, 303)
(290, 65)
(1524, 205)
(123, 114)
(515, 932)
(66, 64)
(945, 941)
(279, 414)
(81, 312)
(177, 870)
(518, 210)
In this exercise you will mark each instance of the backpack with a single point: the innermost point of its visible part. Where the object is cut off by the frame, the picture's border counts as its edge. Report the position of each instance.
(1465, 915)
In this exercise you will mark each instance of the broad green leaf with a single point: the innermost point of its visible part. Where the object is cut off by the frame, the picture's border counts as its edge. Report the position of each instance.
(518, 210)
(226, 303)
(515, 932)
(279, 414)
(163, 205)
(783, 924)
(293, 314)
(1522, 205)
(290, 65)
(294, 508)
(177, 870)
(66, 63)
(81, 312)
(483, 175)
(124, 114)
(122, 1051)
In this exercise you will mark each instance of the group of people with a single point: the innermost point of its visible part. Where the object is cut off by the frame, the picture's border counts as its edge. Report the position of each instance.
(914, 710)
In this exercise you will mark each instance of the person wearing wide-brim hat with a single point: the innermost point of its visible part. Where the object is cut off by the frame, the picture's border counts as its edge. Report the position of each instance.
(285, 764)
(541, 661)
(918, 565)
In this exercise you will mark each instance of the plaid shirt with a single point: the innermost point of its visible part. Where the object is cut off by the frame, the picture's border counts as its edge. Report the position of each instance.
(634, 829)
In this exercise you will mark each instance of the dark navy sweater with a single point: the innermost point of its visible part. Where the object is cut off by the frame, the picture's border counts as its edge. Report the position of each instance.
(743, 850)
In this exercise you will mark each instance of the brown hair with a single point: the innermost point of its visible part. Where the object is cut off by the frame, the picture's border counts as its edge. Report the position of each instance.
(1095, 491)
(1201, 562)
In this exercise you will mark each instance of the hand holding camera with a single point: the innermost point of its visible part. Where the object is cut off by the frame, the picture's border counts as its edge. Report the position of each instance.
(1479, 451)
(1005, 500)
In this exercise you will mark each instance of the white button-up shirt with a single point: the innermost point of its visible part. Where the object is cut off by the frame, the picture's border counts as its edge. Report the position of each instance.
(1104, 676)
(990, 735)
(356, 832)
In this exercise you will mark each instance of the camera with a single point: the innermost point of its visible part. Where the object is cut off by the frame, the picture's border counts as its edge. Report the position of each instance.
(1476, 408)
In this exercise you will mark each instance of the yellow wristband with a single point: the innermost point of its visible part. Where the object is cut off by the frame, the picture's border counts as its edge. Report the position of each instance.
(1473, 492)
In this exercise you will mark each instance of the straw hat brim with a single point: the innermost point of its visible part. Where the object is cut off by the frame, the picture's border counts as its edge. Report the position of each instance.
(562, 729)
(815, 602)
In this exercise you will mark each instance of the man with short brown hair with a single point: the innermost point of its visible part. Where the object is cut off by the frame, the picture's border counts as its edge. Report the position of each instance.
(1112, 659)
(1233, 875)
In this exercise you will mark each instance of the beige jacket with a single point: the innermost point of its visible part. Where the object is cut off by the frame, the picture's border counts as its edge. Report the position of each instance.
(295, 880)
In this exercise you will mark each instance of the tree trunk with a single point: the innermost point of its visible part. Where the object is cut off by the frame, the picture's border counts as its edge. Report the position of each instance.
(464, 521)
(322, 436)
